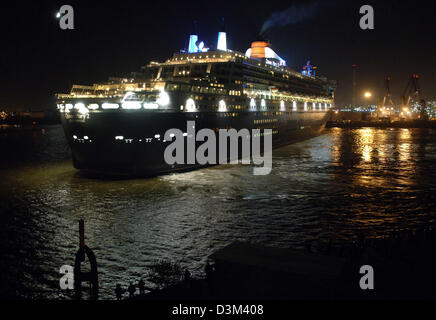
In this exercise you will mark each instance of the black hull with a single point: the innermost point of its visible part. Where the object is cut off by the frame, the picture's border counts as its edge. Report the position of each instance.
(139, 153)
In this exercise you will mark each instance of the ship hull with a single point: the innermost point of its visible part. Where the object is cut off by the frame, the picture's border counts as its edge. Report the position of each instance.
(131, 142)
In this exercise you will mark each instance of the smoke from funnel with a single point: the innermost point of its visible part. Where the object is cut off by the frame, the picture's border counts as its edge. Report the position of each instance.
(292, 15)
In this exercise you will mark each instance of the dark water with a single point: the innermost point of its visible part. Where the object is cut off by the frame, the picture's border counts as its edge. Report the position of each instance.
(335, 186)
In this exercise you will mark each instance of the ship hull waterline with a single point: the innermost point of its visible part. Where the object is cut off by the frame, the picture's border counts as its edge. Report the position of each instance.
(131, 144)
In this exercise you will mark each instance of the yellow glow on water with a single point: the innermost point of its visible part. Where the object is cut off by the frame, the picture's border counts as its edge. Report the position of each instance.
(366, 141)
(405, 134)
(366, 153)
(366, 135)
(404, 148)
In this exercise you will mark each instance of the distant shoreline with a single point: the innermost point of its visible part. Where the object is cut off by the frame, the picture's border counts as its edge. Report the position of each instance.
(18, 128)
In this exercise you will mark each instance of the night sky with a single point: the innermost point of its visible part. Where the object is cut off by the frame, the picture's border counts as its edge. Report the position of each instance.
(38, 59)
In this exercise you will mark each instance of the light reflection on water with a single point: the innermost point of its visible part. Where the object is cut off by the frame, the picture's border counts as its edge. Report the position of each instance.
(335, 186)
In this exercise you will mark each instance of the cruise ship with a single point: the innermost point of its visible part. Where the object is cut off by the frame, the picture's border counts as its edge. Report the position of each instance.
(118, 127)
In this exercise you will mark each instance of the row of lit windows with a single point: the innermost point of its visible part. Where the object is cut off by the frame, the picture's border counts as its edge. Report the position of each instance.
(276, 98)
(183, 73)
(265, 121)
(217, 85)
(234, 92)
(227, 114)
(157, 137)
(193, 106)
(265, 133)
(264, 127)
(191, 57)
(212, 90)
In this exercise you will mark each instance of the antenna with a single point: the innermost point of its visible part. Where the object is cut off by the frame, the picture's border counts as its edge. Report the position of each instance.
(195, 27)
(354, 66)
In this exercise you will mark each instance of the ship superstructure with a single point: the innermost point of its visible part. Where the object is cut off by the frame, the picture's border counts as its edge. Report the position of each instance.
(119, 125)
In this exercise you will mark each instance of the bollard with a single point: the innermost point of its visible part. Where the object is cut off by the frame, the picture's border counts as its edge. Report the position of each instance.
(79, 276)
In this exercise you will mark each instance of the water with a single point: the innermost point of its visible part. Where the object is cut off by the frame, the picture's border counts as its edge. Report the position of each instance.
(336, 186)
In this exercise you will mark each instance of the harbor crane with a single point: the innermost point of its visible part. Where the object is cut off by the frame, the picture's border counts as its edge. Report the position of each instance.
(413, 92)
(387, 99)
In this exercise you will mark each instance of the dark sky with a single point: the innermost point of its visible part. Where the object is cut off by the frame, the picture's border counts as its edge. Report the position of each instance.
(38, 59)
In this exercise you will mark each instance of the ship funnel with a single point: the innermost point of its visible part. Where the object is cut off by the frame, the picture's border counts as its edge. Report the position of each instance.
(222, 38)
(258, 49)
(261, 49)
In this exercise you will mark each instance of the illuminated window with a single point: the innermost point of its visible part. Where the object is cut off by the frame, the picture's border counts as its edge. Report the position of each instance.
(110, 106)
(190, 105)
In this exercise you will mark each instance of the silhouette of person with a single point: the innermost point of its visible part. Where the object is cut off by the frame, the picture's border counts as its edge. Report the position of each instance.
(131, 290)
(209, 274)
(187, 278)
(187, 275)
(208, 269)
(141, 285)
(118, 291)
